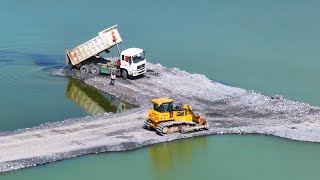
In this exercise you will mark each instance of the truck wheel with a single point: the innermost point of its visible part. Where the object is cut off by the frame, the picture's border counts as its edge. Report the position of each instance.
(124, 74)
(118, 73)
(95, 70)
(85, 69)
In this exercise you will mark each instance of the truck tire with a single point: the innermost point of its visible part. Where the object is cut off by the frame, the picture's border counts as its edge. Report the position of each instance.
(124, 74)
(85, 69)
(118, 73)
(95, 70)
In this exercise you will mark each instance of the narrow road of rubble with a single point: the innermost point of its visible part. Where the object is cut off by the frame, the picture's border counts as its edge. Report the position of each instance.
(229, 110)
(111, 134)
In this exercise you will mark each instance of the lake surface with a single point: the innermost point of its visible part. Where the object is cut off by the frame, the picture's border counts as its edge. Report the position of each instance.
(217, 157)
(268, 46)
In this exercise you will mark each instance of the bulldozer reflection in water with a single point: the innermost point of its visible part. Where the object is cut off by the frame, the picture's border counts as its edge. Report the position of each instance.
(92, 101)
(166, 157)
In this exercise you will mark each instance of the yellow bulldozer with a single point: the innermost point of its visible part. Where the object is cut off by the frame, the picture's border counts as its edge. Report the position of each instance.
(164, 118)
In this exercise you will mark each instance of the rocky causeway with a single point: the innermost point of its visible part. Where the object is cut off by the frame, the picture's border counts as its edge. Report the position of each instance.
(228, 110)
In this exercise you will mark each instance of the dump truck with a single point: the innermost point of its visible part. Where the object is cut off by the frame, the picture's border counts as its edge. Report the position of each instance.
(164, 118)
(86, 57)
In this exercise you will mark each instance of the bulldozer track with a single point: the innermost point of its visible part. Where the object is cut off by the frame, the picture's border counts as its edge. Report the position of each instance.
(146, 124)
(173, 127)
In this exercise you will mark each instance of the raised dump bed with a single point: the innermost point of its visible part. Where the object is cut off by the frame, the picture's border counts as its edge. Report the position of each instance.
(131, 62)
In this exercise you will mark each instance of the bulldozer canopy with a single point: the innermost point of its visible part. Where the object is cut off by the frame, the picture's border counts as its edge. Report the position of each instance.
(160, 101)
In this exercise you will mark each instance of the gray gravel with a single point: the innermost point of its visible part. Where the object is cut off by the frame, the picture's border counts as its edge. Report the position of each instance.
(229, 110)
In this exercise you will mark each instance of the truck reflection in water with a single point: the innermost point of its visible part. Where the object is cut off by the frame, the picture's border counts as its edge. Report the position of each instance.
(93, 101)
(168, 157)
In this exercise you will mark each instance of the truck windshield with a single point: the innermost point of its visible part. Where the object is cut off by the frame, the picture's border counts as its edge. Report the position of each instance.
(138, 57)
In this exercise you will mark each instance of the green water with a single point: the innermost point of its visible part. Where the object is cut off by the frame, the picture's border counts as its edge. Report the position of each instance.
(28, 90)
(218, 157)
(268, 46)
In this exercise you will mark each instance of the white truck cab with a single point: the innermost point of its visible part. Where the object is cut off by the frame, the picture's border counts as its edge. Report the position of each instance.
(132, 62)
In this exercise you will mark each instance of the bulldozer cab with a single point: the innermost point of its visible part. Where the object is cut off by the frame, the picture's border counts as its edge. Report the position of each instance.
(163, 104)
(165, 107)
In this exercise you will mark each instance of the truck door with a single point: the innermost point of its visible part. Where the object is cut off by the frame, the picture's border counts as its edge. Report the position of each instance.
(125, 60)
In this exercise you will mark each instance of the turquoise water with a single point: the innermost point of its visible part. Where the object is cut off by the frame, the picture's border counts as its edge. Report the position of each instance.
(32, 96)
(267, 46)
(218, 157)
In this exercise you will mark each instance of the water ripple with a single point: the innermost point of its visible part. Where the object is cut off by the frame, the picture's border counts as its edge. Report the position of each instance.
(28, 70)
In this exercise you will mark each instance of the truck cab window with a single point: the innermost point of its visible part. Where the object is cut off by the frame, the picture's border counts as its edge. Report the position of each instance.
(128, 59)
(139, 57)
